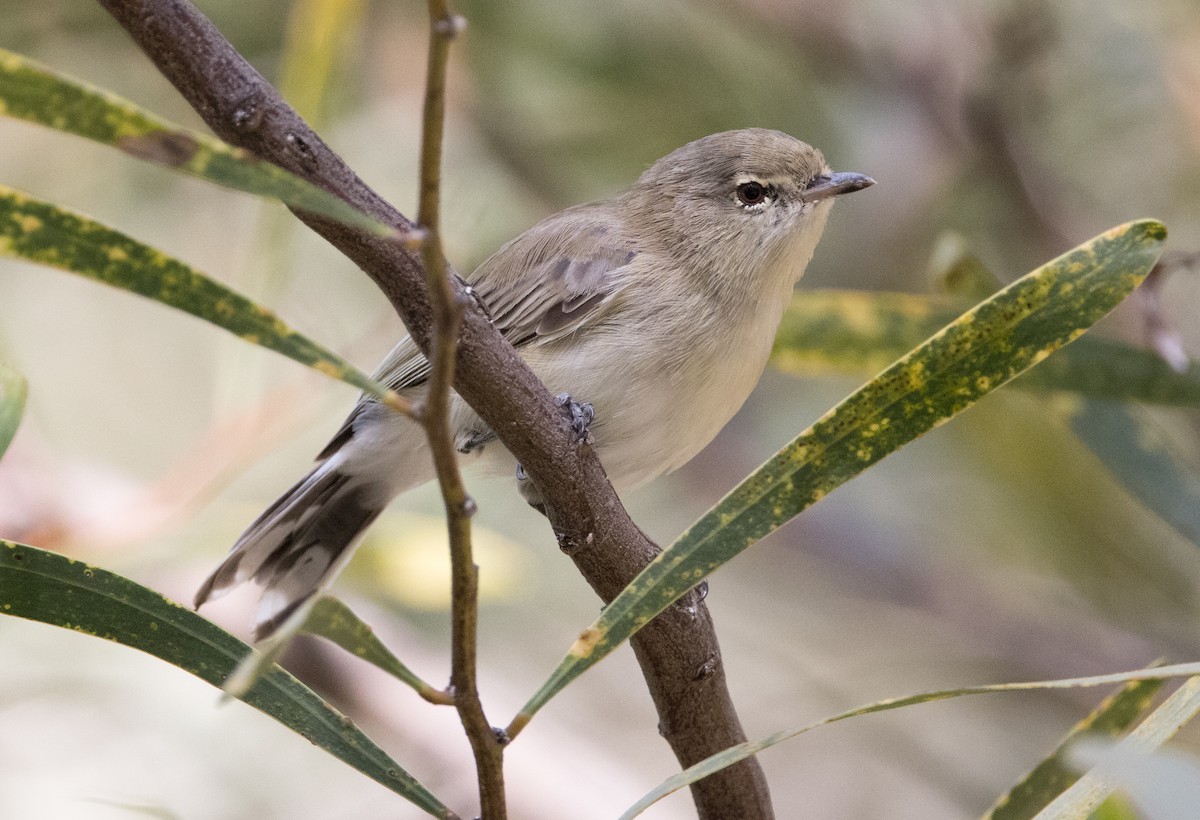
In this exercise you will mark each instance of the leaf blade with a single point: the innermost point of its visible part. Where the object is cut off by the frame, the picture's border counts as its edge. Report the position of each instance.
(985, 348)
(735, 754)
(1089, 791)
(860, 332)
(49, 235)
(1054, 775)
(331, 619)
(35, 93)
(51, 588)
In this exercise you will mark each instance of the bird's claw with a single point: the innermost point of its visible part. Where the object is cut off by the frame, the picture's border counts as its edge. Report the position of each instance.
(581, 416)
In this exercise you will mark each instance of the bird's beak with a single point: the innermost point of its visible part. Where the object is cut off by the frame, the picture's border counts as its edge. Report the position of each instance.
(835, 184)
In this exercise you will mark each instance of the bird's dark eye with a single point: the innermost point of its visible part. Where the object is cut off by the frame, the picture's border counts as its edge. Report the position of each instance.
(752, 193)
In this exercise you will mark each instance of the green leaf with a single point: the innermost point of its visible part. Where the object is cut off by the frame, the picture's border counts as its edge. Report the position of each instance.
(13, 390)
(51, 588)
(735, 754)
(331, 619)
(256, 663)
(1053, 775)
(1087, 793)
(846, 331)
(32, 92)
(49, 235)
(1140, 457)
(840, 331)
(983, 349)
(1104, 369)
(334, 621)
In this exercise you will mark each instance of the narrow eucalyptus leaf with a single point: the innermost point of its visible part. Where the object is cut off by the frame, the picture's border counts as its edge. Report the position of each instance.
(841, 331)
(856, 332)
(51, 588)
(334, 621)
(1087, 793)
(735, 754)
(1054, 774)
(40, 232)
(35, 93)
(983, 349)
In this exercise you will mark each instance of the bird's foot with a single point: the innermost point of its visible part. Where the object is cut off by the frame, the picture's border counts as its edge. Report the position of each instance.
(581, 416)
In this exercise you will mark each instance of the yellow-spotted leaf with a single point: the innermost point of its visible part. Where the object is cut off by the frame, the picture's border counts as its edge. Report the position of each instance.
(1054, 774)
(39, 232)
(35, 93)
(984, 348)
(12, 404)
(334, 621)
(51, 588)
(331, 619)
(849, 331)
(1087, 793)
(735, 754)
(1103, 369)
(843, 331)
(832, 331)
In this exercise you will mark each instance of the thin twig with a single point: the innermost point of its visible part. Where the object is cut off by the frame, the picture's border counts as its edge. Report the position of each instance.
(677, 651)
(447, 320)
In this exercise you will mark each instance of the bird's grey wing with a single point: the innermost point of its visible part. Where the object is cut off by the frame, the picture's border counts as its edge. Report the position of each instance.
(549, 282)
(556, 278)
(403, 367)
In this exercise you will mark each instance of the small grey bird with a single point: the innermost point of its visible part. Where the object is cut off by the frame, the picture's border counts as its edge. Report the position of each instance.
(658, 307)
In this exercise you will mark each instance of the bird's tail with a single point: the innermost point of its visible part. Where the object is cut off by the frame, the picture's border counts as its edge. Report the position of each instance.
(299, 543)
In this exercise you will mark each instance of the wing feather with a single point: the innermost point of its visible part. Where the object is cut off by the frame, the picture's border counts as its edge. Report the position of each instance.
(549, 282)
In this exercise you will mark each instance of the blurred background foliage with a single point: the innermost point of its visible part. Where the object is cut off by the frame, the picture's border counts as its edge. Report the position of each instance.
(996, 548)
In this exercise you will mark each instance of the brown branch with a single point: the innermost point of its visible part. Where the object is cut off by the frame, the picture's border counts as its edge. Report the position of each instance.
(678, 651)
(447, 319)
